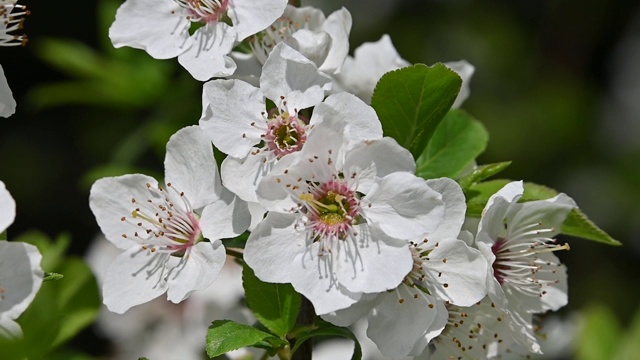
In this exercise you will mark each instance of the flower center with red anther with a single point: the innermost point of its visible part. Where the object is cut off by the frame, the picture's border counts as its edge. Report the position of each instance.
(332, 209)
(205, 11)
(166, 221)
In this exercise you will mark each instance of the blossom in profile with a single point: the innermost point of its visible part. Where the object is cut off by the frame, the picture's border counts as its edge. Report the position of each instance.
(201, 33)
(517, 238)
(340, 218)
(323, 40)
(371, 60)
(162, 229)
(20, 272)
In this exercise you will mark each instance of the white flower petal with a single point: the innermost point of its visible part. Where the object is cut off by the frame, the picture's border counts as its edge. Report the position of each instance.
(491, 224)
(456, 272)
(191, 168)
(230, 107)
(361, 120)
(404, 206)
(277, 253)
(242, 176)
(251, 16)
(314, 46)
(360, 74)
(550, 213)
(288, 73)
(7, 208)
(9, 329)
(157, 26)
(225, 218)
(384, 154)
(7, 102)
(196, 271)
(273, 247)
(381, 262)
(207, 57)
(465, 70)
(110, 199)
(406, 317)
(20, 277)
(455, 208)
(338, 26)
(355, 312)
(133, 278)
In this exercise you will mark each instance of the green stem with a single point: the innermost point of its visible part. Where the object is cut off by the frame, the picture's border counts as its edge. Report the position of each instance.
(234, 253)
(305, 318)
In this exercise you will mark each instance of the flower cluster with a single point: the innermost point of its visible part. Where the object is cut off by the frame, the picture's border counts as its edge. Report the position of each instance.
(332, 206)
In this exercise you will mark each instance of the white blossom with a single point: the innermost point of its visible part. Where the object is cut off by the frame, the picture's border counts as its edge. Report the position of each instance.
(371, 60)
(164, 28)
(161, 228)
(340, 218)
(323, 40)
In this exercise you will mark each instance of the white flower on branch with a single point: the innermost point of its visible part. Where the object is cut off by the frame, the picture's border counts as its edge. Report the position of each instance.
(162, 229)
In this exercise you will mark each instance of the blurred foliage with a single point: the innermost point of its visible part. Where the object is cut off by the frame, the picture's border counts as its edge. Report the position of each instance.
(602, 337)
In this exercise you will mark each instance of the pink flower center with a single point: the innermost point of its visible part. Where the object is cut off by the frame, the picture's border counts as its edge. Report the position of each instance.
(286, 134)
(332, 208)
(205, 11)
(166, 221)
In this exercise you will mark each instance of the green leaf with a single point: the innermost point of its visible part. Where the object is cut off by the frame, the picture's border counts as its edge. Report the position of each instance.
(324, 328)
(482, 172)
(600, 335)
(455, 144)
(3, 235)
(78, 298)
(412, 101)
(225, 335)
(577, 223)
(275, 305)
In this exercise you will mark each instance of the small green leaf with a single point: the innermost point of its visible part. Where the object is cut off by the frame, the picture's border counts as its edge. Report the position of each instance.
(275, 305)
(579, 225)
(324, 328)
(225, 335)
(3, 235)
(412, 101)
(52, 276)
(482, 172)
(455, 144)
